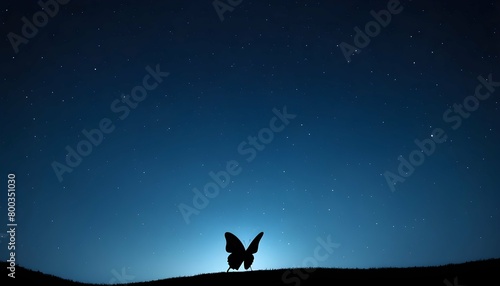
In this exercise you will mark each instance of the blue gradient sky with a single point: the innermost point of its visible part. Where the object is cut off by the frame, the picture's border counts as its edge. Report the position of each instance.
(320, 177)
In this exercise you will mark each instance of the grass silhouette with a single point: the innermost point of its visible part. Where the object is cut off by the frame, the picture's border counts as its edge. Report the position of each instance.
(482, 272)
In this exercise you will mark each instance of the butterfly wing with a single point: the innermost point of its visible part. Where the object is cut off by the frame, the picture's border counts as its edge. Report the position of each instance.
(254, 245)
(237, 250)
(252, 248)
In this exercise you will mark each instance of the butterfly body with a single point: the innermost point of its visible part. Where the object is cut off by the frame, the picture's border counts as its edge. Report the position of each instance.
(238, 253)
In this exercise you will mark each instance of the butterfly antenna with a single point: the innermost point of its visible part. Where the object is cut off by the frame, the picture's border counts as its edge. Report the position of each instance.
(247, 244)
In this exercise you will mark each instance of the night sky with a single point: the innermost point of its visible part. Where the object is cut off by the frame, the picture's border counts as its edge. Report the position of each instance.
(354, 134)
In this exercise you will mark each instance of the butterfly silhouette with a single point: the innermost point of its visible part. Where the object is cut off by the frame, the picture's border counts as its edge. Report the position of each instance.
(238, 253)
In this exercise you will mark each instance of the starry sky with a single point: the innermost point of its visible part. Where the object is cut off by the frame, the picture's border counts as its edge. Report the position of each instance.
(139, 132)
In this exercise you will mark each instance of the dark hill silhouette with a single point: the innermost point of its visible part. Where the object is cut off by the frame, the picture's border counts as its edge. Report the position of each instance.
(483, 272)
